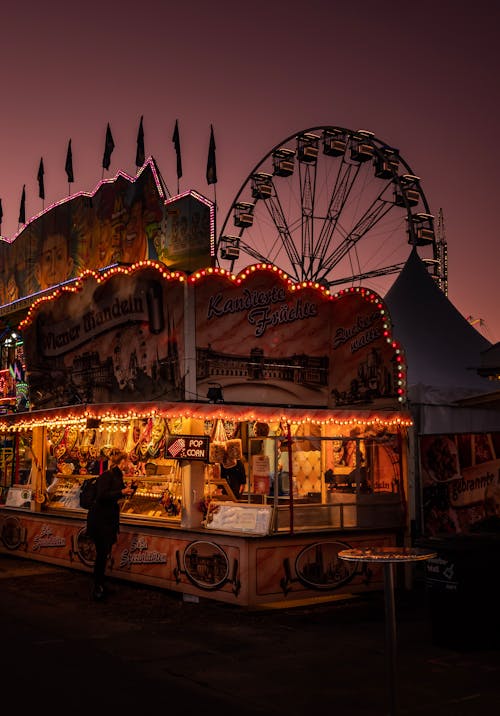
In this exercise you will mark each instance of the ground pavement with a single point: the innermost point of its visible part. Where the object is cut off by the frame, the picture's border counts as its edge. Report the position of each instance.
(148, 649)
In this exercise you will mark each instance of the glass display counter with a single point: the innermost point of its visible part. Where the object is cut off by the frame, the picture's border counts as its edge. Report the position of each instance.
(158, 496)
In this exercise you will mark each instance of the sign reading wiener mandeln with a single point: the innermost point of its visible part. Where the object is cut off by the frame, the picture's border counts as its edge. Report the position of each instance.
(112, 341)
(267, 340)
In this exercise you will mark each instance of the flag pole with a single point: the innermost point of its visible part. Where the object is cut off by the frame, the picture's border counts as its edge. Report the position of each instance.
(216, 208)
(177, 144)
(212, 168)
(68, 167)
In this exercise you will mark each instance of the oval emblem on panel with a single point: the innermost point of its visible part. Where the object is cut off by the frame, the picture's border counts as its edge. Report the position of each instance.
(318, 565)
(13, 534)
(206, 564)
(85, 547)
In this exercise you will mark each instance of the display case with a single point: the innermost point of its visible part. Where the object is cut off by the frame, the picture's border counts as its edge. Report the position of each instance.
(155, 497)
(158, 495)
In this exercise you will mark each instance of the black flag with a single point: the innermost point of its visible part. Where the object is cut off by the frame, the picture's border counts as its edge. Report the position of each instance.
(177, 145)
(41, 188)
(139, 156)
(22, 208)
(109, 145)
(69, 164)
(211, 166)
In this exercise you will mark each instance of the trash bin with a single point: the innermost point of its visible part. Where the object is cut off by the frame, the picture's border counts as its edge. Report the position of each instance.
(463, 590)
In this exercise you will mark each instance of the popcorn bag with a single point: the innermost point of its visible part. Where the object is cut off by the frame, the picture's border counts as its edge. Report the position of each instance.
(234, 449)
(218, 443)
(217, 451)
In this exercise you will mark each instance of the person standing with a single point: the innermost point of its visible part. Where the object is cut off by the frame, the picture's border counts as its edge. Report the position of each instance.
(233, 471)
(103, 518)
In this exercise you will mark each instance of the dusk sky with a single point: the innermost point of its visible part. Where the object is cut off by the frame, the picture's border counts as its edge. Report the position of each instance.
(423, 77)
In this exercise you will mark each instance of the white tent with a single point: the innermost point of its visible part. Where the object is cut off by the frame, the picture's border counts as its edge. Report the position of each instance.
(443, 354)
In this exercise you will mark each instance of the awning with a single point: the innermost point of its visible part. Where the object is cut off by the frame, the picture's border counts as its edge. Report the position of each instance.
(119, 412)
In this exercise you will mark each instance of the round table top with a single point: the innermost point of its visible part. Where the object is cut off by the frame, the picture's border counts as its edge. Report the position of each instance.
(386, 554)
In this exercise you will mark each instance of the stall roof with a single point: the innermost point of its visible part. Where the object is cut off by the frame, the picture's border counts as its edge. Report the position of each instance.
(79, 414)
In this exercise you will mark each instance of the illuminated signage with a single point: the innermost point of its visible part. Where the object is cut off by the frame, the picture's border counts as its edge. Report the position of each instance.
(188, 447)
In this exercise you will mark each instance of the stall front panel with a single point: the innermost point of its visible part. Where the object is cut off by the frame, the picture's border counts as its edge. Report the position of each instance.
(240, 570)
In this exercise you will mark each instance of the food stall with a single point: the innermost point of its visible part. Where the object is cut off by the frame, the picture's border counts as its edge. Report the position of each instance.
(180, 369)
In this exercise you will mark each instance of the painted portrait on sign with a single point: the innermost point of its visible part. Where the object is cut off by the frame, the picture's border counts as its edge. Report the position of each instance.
(120, 222)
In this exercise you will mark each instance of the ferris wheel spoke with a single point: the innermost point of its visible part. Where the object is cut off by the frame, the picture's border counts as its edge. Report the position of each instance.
(284, 233)
(395, 268)
(307, 203)
(344, 183)
(252, 251)
(364, 225)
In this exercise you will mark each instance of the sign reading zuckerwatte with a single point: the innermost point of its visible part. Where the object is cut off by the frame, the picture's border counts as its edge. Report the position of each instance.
(188, 447)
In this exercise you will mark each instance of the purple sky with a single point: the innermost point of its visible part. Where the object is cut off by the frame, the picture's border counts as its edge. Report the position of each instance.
(423, 77)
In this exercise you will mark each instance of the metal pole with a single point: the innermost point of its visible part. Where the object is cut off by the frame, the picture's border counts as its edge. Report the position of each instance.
(390, 638)
(290, 474)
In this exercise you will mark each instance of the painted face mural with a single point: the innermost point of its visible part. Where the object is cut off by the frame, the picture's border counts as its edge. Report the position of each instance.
(55, 264)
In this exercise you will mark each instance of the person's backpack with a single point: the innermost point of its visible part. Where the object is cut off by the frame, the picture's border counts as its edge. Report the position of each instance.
(88, 493)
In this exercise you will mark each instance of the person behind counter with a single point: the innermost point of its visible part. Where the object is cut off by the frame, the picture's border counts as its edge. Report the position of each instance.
(233, 471)
(103, 518)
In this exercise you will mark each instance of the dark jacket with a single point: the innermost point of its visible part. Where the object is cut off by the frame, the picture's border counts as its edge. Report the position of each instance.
(103, 518)
(235, 476)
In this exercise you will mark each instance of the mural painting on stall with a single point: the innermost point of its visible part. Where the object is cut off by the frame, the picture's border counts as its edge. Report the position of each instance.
(125, 220)
(460, 473)
(313, 566)
(208, 566)
(187, 237)
(296, 345)
(119, 340)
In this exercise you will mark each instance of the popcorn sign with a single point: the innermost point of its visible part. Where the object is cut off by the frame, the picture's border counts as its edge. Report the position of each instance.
(188, 447)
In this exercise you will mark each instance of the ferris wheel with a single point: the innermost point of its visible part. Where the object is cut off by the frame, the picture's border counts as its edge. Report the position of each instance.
(333, 206)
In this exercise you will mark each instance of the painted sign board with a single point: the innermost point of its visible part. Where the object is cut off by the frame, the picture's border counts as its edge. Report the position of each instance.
(125, 337)
(124, 220)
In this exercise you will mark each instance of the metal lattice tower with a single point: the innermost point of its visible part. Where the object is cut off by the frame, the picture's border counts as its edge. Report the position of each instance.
(442, 254)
